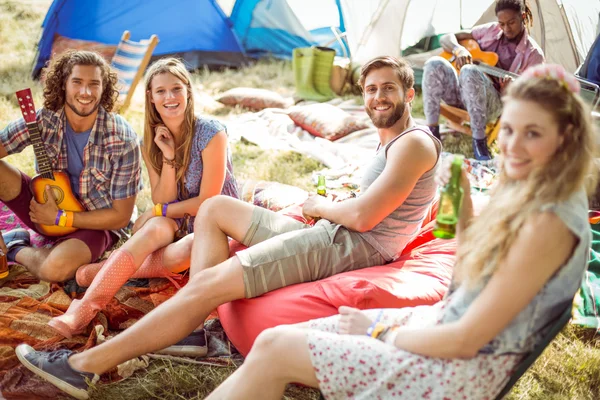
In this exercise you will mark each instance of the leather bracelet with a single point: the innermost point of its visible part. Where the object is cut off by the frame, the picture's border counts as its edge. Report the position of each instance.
(173, 163)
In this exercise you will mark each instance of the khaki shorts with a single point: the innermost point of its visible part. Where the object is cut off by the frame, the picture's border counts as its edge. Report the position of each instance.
(283, 252)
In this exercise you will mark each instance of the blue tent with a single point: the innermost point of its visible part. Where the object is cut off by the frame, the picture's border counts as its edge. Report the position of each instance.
(271, 27)
(196, 30)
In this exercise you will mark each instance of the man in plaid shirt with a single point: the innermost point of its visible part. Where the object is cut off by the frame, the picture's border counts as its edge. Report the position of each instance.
(99, 151)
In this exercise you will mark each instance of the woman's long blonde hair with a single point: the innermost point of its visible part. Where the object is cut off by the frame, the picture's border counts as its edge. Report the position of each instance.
(486, 242)
(152, 119)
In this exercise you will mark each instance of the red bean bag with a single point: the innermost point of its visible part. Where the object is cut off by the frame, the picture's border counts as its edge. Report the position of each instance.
(420, 276)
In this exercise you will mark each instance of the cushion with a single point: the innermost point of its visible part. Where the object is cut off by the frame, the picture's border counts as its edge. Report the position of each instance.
(326, 121)
(420, 276)
(254, 99)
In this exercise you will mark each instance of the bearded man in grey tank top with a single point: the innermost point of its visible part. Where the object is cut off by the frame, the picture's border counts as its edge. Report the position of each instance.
(396, 193)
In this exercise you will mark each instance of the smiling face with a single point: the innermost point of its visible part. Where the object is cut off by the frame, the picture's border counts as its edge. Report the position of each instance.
(384, 97)
(528, 139)
(511, 23)
(169, 96)
(83, 90)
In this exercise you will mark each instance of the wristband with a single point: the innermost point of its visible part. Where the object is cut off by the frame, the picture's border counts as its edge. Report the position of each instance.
(62, 221)
(164, 209)
(70, 216)
(58, 215)
(158, 210)
(370, 329)
(378, 330)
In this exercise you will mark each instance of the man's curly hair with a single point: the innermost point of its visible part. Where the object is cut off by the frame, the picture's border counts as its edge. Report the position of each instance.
(60, 69)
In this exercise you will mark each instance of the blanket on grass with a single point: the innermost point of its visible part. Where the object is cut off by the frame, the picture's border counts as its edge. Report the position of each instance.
(27, 304)
(586, 311)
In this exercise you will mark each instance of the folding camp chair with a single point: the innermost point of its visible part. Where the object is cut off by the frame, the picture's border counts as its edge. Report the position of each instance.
(458, 120)
(555, 327)
(129, 62)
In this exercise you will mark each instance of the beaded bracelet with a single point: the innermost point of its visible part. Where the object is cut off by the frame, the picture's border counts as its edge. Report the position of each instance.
(171, 163)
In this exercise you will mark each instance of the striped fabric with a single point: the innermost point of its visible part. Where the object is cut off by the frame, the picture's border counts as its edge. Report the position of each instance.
(127, 61)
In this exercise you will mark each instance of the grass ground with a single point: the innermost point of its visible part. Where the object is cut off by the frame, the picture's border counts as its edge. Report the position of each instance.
(569, 369)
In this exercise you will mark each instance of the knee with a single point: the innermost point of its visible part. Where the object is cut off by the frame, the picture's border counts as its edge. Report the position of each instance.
(209, 209)
(268, 340)
(435, 62)
(469, 74)
(155, 228)
(54, 270)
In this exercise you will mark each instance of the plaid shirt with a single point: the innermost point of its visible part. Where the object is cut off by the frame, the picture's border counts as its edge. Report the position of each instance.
(111, 159)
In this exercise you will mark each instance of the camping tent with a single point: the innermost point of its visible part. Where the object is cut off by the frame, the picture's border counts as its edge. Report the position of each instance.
(565, 29)
(196, 30)
(276, 27)
(202, 32)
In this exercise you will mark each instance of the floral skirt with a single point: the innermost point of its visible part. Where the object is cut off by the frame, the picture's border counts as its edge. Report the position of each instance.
(359, 367)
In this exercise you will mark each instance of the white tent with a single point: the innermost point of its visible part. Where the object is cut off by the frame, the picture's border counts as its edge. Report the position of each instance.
(565, 29)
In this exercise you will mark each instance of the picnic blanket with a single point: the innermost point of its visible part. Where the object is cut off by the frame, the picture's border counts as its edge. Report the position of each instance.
(587, 301)
(27, 304)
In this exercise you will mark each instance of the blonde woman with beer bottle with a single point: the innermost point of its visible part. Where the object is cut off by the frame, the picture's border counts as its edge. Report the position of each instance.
(519, 264)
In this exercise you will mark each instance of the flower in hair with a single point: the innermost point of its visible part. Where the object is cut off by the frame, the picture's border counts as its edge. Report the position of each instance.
(556, 72)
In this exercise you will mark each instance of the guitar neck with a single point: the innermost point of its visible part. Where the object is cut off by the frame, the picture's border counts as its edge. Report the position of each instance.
(43, 161)
(494, 71)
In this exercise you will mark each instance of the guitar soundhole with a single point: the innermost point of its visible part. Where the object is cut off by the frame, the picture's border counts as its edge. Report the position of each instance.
(59, 194)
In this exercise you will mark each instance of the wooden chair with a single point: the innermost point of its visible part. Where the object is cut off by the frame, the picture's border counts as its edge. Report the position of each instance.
(459, 120)
(129, 62)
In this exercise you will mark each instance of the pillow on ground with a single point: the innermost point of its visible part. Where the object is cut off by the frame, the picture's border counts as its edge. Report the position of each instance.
(326, 121)
(254, 99)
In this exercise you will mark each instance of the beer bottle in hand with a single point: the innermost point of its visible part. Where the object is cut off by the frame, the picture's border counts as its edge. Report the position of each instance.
(321, 187)
(450, 202)
(3, 265)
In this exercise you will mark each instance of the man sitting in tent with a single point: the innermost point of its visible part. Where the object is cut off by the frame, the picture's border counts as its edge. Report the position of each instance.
(472, 89)
(397, 190)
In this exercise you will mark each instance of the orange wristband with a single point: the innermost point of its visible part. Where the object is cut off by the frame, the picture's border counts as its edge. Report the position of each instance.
(158, 210)
(63, 219)
(70, 216)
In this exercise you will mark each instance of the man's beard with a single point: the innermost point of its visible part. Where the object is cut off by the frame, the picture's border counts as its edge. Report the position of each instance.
(387, 122)
(74, 109)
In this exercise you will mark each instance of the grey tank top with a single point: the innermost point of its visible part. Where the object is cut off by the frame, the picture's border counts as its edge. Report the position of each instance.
(529, 326)
(391, 235)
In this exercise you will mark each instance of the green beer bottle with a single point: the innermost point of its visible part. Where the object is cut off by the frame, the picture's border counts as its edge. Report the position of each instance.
(321, 187)
(450, 202)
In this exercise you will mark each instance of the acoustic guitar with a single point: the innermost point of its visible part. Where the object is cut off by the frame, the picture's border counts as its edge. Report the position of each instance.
(57, 180)
(485, 61)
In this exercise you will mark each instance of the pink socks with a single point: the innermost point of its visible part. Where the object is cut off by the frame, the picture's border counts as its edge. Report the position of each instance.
(114, 273)
(152, 267)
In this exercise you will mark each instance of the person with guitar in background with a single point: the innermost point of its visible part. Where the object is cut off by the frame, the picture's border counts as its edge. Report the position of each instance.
(465, 85)
(99, 151)
(188, 162)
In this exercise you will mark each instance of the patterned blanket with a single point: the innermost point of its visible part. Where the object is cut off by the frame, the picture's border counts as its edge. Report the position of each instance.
(27, 304)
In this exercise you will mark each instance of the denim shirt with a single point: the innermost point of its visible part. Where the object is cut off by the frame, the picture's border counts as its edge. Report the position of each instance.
(530, 325)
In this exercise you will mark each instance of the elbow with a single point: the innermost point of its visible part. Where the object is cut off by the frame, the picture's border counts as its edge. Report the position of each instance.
(361, 223)
(122, 223)
(465, 345)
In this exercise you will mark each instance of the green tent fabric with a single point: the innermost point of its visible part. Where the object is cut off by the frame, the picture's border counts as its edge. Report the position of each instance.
(587, 301)
(312, 72)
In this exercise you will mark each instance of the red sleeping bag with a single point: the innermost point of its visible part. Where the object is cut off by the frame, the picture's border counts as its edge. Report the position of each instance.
(420, 276)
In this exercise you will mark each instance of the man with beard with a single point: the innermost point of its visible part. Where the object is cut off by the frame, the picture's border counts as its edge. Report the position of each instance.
(98, 150)
(397, 190)
(473, 90)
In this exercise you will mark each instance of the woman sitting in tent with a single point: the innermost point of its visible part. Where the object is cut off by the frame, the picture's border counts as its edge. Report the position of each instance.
(468, 344)
(188, 161)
